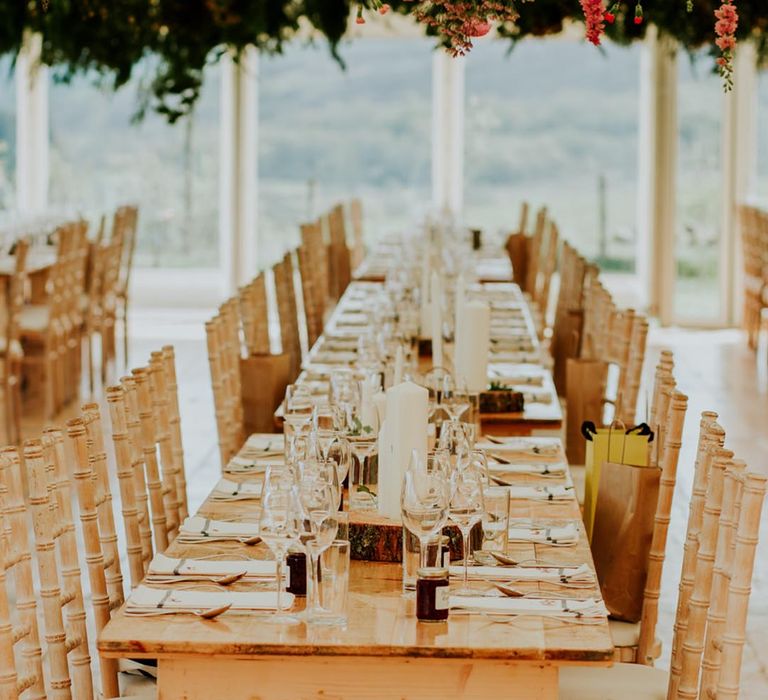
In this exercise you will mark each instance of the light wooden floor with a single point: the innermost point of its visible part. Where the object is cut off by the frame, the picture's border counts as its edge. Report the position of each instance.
(714, 369)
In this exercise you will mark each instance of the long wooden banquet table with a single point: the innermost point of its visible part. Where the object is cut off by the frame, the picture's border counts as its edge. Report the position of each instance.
(383, 652)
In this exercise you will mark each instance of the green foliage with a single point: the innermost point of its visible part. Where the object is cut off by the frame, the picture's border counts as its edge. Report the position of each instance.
(110, 38)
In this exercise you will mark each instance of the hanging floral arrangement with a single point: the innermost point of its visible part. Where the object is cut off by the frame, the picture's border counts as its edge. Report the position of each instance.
(725, 28)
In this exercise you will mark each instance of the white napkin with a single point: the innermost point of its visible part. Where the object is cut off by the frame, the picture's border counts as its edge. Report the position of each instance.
(145, 599)
(328, 357)
(560, 534)
(530, 606)
(265, 442)
(536, 396)
(227, 490)
(542, 493)
(199, 529)
(352, 319)
(521, 446)
(521, 357)
(566, 574)
(162, 565)
(518, 379)
(239, 465)
(538, 469)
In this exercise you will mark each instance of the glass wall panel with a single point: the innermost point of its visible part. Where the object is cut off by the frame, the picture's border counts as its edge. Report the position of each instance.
(7, 134)
(699, 200)
(555, 123)
(101, 158)
(327, 135)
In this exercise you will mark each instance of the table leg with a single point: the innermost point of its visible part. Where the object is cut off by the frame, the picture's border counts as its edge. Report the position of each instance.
(353, 678)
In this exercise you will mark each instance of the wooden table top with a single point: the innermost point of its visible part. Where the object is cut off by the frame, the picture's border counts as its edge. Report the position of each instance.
(382, 620)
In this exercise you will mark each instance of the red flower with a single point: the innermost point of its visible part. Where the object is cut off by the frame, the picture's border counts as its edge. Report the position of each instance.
(360, 20)
(384, 9)
(638, 20)
(476, 27)
(610, 17)
(594, 12)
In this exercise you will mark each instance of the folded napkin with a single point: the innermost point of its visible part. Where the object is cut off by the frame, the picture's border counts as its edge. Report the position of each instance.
(567, 574)
(521, 344)
(518, 380)
(227, 490)
(559, 607)
(162, 565)
(335, 357)
(542, 469)
(197, 529)
(559, 534)
(535, 396)
(241, 465)
(144, 599)
(265, 442)
(352, 319)
(521, 446)
(542, 493)
(521, 357)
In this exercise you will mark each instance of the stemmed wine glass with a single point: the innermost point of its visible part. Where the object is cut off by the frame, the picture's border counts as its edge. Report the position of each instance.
(320, 526)
(297, 411)
(455, 398)
(424, 501)
(279, 527)
(466, 509)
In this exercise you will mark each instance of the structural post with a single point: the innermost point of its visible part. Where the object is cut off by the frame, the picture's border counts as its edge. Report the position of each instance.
(448, 133)
(31, 128)
(238, 169)
(657, 164)
(739, 164)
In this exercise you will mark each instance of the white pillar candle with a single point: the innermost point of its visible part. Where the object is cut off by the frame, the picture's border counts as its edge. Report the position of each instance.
(473, 346)
(406, 430)
(437, 321)
(399, 362)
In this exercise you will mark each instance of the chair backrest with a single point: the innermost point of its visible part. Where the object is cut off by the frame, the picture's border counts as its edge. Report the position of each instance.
(254, 315)
(312, 239)
(59, 574)
(310, 295)
(177, 445)
(26, 673)
(124, 231)
(286, 305)
(629, 386)
(535, 252)
(97, 544)
(15, 298)
(133, 496)
(547, 266)
(356, 223)
(340, 264)
(675, 419)
(161, 524)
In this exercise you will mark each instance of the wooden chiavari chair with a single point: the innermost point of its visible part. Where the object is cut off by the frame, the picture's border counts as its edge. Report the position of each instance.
(177, 445)
(312, 240)
(59, 574)
(254, 315)
(11, 352)
(133, 492)
(547, 266)
(310, 295)
(163, 521)
(713, 677)
(535, 249)
(125, 231)
(286, 305)
(754, 243)
(629, 388)
(25, 675)
(340, 265)
(356, 224)
(517, 248)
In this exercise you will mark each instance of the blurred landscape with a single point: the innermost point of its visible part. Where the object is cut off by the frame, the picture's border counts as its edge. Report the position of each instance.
(555, 122)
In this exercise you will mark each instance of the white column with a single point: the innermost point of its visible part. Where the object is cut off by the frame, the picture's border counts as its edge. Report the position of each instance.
(31, 128)
(657, 163)
(238, 162)
(447, 133)
(739, 163)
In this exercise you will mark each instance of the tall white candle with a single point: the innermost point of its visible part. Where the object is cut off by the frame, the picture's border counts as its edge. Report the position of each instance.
(399, 362)
(473, 345)
(406, 430)
(458, 303)
(437, 321)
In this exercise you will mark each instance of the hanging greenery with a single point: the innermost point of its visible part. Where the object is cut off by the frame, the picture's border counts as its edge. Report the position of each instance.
(110, 37)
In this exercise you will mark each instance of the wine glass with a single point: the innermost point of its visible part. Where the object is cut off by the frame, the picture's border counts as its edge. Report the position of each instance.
(363, 445)
(466, 509)
(279, 528)
(340, 453)
(433, 382)
(453, 439)
(318, 505)
(322, 470)
(455, 398)
(297, 410)
(424, 501)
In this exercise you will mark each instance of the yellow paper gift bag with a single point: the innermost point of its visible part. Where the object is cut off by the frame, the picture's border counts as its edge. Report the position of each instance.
(613, 444)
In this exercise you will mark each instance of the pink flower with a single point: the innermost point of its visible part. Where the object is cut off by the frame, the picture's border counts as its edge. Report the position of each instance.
(476, 27)
(594, 15)
(725, 28)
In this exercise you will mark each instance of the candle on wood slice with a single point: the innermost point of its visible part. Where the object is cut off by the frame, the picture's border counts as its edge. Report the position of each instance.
(473, 345)
(437, 321)
(406, 430)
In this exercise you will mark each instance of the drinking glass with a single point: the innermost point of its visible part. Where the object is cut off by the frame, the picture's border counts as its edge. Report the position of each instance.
(297, 410)
(424, 501)
(364, 471)
(453, 438)
(339, 452)
(455, 398)
(433, 382)
(495, 518)
(332, 585)
(279, 528)
(466, 509)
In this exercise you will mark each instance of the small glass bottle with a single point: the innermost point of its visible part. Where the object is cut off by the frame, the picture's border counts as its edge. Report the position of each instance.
(432, 594)
(297, 573)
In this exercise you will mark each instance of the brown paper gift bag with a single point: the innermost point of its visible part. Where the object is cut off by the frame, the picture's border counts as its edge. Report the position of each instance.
(263, 380)
(621, 538)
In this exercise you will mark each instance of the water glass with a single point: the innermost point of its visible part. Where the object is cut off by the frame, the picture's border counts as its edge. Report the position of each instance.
(332, 585)
(364, 474)
(495, 518)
